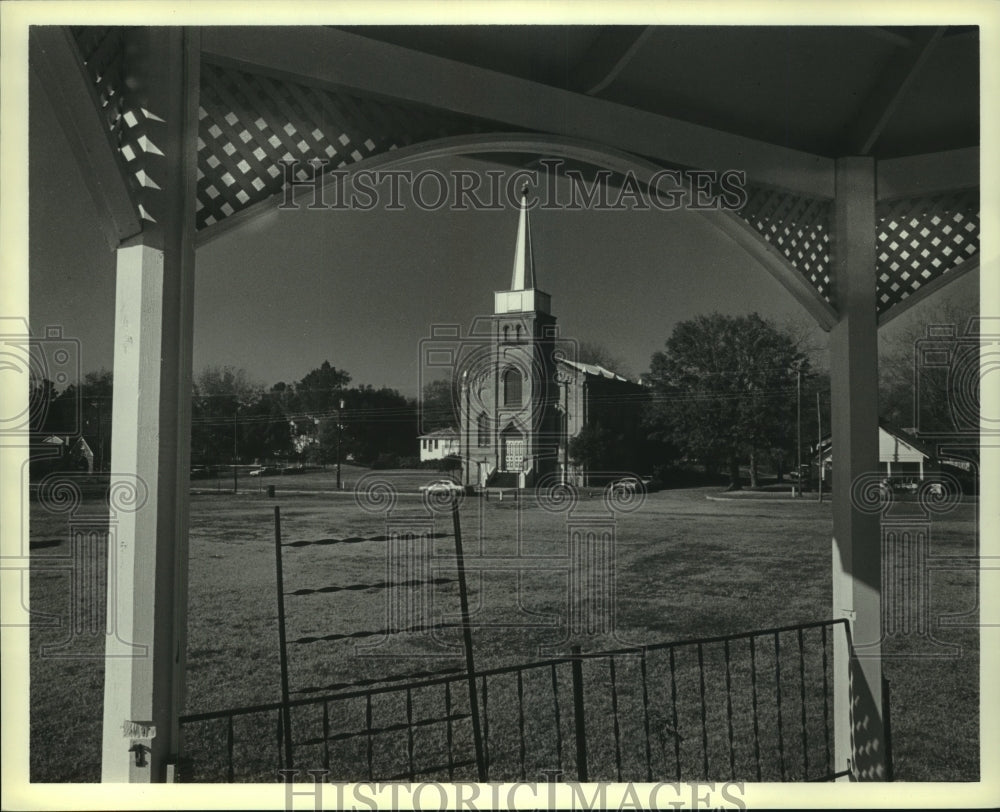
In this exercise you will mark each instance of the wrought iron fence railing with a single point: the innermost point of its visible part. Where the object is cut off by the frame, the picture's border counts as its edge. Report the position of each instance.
(754, 706)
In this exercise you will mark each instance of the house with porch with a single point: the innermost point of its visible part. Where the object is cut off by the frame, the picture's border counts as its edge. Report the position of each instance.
(901, 455)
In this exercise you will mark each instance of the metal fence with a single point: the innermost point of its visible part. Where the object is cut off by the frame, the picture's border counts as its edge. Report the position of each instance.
(756, 706)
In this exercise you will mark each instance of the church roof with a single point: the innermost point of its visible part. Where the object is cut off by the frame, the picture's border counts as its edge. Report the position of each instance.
(594, 369)
(523, 277)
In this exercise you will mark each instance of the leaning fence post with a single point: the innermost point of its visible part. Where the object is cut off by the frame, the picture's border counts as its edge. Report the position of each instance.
(467, 639)
(282, 645)
(578, 712)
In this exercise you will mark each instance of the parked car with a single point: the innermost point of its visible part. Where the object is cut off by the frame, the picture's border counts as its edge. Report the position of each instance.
(634, 484)
(443, 485)
(264, 470)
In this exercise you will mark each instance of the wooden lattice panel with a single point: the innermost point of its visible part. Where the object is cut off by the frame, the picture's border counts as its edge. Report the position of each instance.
(250, 123)
(133, 129)
(798, 227)
(103, 53)
(920, 239)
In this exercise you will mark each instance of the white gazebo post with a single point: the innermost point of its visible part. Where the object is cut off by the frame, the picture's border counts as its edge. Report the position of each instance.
(147, 575)
(857, 561)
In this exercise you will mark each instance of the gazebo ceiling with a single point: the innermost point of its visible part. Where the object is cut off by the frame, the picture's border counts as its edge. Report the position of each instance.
(779, 102)
(801, 87)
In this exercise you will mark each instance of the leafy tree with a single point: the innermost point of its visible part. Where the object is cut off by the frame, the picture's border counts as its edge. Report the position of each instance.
(374, 423)
(724, 389)
(264, 430)
(285, 396)
(321, 389)
(439, 405)
(82, 409)
(42, 395)
(223, 398)
(597, 449)
(900, 372)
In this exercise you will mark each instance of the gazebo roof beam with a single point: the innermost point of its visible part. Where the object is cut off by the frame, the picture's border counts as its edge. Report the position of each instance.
(888, 90)
(887, 35)
(329, 57)
(917, 175)
(614, 48)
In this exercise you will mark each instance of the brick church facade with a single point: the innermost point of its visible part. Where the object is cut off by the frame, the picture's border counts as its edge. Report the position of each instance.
(525, 396)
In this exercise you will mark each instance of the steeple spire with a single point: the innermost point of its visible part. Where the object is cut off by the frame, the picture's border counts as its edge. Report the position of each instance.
(523, 296)
(524, 261)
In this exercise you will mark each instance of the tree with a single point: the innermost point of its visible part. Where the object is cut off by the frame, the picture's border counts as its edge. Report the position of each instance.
(900, 370)
(84, 409)
(81, 409)
(374, 424)
(596, 449)
(439, 405)
(223, 398)
(42, 395)
(321, 389)
(264, 429)
(724, 389)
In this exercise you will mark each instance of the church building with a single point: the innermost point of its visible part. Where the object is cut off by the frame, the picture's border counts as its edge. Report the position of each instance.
(525, 396)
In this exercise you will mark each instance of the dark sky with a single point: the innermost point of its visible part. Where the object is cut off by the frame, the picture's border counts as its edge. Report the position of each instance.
(361, 289)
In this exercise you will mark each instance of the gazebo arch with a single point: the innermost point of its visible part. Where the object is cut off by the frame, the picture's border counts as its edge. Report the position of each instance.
(179, 133)
(800, 263)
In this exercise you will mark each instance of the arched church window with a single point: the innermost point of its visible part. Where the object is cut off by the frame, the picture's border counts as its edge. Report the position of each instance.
(506, 333)
(511, 387)
(483, 428)
(518, 329)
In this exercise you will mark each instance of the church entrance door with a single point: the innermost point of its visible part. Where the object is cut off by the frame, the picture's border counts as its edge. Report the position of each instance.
(513, 450)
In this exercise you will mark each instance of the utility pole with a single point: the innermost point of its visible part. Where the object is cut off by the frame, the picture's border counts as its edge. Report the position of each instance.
(798, 426)
(236, 412)
(819, 447)
(466, 425)
(340, 428)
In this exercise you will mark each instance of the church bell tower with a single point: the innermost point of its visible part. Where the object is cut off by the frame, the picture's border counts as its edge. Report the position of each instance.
(510, 427)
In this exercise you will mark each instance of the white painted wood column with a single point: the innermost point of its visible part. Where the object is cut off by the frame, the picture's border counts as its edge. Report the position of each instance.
(151, 422)
(857, 559)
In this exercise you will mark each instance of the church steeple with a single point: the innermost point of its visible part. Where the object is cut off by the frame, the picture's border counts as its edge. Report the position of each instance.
(524, 261)
(522, 296)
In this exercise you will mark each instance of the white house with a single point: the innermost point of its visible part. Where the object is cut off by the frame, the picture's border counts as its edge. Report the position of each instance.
(900, 455)
(438, 444)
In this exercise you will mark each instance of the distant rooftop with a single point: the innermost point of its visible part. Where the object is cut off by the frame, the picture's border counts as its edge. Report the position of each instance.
(440, 433)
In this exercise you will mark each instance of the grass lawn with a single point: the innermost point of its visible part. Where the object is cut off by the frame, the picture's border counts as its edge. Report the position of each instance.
(685, 567)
